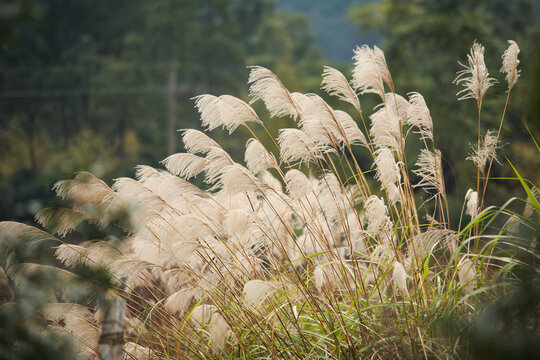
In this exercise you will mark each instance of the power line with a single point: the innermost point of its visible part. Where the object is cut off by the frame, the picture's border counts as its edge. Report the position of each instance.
(13, 94)
(48, 93)
(82, 69)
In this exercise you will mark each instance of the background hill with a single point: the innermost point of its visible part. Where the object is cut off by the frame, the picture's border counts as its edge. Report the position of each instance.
(333, 32)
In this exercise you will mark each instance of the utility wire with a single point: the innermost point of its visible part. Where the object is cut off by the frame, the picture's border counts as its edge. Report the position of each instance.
(73, 92)
(136, 90)
(81, 69)
(13, 94)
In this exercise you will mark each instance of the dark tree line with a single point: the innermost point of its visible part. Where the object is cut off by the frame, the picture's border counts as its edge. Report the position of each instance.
(103, 85)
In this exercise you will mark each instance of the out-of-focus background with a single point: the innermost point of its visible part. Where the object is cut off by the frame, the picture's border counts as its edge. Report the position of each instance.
(103, 85)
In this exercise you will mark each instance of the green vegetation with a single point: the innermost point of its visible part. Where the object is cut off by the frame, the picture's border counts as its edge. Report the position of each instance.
(347, 262)
(338, 220)
(101, 87)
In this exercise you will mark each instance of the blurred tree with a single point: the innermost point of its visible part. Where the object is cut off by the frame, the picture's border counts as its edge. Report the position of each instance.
(117, 77)
(285, 44)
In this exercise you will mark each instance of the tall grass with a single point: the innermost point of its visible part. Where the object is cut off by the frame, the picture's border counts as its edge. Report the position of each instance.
(303, 251)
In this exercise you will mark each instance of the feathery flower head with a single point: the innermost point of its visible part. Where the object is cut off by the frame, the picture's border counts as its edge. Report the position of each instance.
(472, 203)
(257, 291)
(388, 173)
(430, 170)
(257, 158)
(335, 84)
(196, 141)
(225, 110)
(297, 184)
(509, 64)
(296, 146)
(185, 165)
(331, 197)
(467, 273)
(377, 217)
(485, 151)
(418, 115)
(319, 122)
(475, 77)
(383, 67)
(353, 134)
(397, 105)
(218, 160)
(236, 178)
(266, 86)
(370, 70)
(385, 128)
(399, 278)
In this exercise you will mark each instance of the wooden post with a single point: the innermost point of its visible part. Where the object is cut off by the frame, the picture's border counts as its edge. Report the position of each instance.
(111, 339)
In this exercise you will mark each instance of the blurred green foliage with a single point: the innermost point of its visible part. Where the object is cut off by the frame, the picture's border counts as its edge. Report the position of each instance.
(88, 85)
(25, 332)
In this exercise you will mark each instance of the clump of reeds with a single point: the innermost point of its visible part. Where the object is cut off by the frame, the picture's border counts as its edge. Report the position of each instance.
(301, 251)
